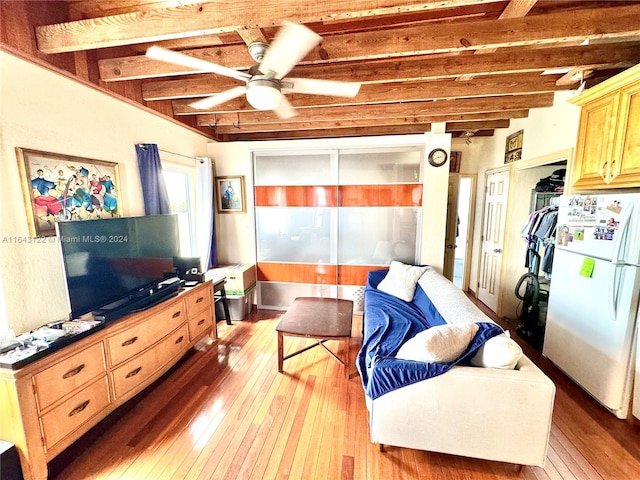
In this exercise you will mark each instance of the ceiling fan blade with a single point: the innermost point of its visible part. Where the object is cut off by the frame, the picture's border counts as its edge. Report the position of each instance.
(218, 98)
(290, 45)
(177, 58)
(322, 87)
(284, 110)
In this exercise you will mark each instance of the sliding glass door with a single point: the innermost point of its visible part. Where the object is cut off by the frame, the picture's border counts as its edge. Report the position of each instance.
(326, 218)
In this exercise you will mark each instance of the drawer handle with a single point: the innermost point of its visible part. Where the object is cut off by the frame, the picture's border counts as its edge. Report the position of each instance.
(73, 371)
(179, 339)
(199, 299)
(177, 314)
(79, 408)
(131, 341)
(201, 322)
(133, 372)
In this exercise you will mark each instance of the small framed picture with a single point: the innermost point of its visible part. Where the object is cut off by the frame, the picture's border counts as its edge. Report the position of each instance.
(513, 147)
(230, 194)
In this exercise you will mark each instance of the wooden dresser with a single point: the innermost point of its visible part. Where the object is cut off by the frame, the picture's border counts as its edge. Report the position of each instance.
(49, 403)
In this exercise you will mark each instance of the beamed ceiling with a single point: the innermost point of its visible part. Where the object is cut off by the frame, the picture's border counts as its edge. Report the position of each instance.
(470, 64)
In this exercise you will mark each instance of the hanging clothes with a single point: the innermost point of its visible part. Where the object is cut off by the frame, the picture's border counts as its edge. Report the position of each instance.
(540, 232)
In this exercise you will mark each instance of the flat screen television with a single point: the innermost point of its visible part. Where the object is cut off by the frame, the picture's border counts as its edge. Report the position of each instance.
(113, 263)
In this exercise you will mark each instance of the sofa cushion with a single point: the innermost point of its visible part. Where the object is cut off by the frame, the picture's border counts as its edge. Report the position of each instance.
(442, 343)
(500, 351)
(449, 302)
(401, 280)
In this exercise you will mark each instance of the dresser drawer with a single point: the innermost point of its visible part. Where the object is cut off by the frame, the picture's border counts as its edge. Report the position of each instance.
(200, 323)
(69, 415)
(128, 343)
(198, 300)
(56, 381)
(133, 373)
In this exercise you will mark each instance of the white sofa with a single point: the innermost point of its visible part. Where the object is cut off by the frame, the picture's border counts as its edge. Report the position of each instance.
(489, 413)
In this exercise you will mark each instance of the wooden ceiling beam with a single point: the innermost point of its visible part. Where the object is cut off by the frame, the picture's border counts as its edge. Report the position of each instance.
(252, 35)
(409, 109)
(299, 122)
(491, 85)
(284, 127)
(591, 57)
(216, 17)
(419, 40)
(514, 9)
(237, 57)
(337, 132)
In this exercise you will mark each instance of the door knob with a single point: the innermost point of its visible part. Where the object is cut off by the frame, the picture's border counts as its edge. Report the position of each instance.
(451, 246)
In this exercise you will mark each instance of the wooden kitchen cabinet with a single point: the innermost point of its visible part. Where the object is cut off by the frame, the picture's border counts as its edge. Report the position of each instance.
(608, 146)
(51, 402)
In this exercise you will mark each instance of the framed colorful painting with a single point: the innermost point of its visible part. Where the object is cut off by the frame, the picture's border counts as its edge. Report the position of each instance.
(60, 188)
(230, 194)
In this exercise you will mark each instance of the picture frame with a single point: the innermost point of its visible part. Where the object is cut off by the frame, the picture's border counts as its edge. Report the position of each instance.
(513, 147)
(230, 194)
(58, 187)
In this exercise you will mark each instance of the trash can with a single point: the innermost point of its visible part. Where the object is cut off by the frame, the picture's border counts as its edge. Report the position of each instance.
(10, 468)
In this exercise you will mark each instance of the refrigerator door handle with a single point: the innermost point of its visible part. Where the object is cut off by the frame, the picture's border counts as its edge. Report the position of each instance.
(625, 223)
(613, 291)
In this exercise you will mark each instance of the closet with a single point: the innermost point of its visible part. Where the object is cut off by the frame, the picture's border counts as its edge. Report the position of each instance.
(527, 273)
(325, 218)
(539, 234)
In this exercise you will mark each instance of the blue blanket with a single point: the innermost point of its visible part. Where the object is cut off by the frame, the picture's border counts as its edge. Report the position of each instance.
(388, 323)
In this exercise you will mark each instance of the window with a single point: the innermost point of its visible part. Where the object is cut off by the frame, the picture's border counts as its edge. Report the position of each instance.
(180, 187)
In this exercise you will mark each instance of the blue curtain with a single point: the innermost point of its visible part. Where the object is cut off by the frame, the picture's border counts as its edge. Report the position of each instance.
(154, 191)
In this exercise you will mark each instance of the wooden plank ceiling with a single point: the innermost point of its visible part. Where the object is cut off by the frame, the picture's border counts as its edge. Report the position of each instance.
(472, 64)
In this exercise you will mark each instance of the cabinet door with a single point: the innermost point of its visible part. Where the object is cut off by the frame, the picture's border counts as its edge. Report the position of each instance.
(595, 142)
(626, 158)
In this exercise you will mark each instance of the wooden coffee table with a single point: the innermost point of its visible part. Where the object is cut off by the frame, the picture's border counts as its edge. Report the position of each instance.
(321, 319)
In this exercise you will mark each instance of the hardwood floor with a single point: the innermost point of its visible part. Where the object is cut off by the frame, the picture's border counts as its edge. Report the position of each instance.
(225, 412)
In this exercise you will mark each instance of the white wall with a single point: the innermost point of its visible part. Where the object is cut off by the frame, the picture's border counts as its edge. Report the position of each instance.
(236, 237)
(42, 110)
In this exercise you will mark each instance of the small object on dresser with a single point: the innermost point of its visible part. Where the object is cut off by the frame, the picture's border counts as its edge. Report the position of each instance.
(8, 341)
(77, 326)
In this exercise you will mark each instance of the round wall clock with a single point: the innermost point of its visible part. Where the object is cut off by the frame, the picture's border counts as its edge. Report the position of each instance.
(438, 157)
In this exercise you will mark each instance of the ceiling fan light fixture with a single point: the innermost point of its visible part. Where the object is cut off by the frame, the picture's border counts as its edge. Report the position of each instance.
(263, 93)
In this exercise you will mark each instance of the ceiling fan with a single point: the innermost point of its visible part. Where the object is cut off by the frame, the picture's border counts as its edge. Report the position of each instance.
(265, 81)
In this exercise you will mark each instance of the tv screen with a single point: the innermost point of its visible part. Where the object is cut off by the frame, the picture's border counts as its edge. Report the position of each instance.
(107, 260)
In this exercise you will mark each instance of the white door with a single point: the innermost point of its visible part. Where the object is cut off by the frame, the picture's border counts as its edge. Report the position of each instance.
(495, 214)
(452, 226)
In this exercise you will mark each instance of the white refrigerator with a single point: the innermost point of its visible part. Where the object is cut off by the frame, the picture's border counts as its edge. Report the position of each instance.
(590, 329)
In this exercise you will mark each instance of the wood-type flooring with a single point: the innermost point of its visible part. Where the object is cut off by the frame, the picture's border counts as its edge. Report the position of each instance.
(224, 412)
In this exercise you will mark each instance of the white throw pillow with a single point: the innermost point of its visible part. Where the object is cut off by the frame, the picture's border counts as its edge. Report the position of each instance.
(441, 344)
(498, 352)
(401, 280)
